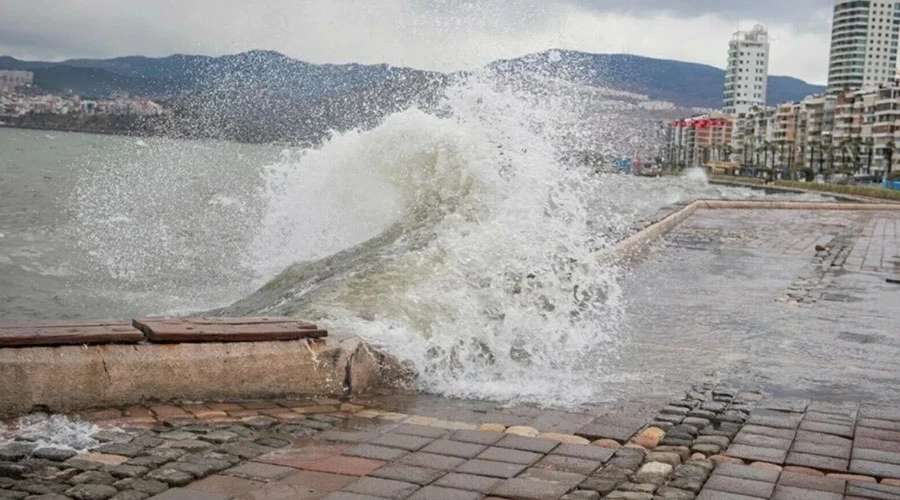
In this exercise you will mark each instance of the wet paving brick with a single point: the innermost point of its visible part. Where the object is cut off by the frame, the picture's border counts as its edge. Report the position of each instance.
(408, 473)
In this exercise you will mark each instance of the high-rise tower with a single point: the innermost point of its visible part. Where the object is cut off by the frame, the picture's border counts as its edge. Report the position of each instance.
(748, 68)
(863, 43)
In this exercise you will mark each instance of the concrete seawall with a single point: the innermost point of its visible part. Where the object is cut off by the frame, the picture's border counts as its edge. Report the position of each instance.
(69, 378)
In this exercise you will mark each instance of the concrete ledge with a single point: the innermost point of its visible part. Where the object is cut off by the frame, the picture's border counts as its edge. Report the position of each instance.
(68, 378)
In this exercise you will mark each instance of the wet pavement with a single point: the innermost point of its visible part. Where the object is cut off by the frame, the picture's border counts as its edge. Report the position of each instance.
(743, 297)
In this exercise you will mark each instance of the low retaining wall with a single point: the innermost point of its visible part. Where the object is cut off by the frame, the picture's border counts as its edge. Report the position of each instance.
(68, 378)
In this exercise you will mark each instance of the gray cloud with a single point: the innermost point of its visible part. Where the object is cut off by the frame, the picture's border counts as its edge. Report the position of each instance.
(429, 34)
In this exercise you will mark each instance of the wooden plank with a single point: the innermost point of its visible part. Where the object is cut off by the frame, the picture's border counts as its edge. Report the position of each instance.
(188, 330)
(249, 320)
(59, 334)
(64, 324)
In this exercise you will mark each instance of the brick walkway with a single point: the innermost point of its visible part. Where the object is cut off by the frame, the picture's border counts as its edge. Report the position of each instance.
(711, 444)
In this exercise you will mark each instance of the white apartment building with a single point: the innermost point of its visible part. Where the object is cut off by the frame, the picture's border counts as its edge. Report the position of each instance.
(863, 43)
(11, 79)
(746, 76)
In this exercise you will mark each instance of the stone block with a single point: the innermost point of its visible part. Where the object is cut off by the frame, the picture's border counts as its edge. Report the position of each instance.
(432, 461)
(477, 437)
(260, 472)
(791, 493)
(421, 431)
(455, 448)
(653, 472)
(186, 494)
(748, 472)
(740, 486)
(821, 449)
(530, 489)
(401, 441)
(817, 462)
(225, 485)
(510, 456)
(408, 473)
(527, 444)
(439, 493)
(808, 482)
(382, 488)
(582, 451)
(878, 469)
(569, 464)
(374, 452)
(825, 428)
(468, 482)
(755, 453)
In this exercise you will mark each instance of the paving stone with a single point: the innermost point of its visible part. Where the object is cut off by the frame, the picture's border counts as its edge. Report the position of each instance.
(769, 418)
(93, 477)
(707, 449)
(455, 448)
(107, 436)
(699, 423)
(127, 471)
(791, 493)
(756, 453)
(888, 425)
(439, 493)
(877, 444)
(244, 449)
(18, 495)
(91, 492)
(150, 486)
(582, 495)
(653, 472)
(877, 456)
(527, 444)
(122, 449)
(409, 473)
(491, 469)
(374, 452)
(740, 486)
(747, 472)
(468, 482)
(350, 466)
(226, 485)
(672, 493)
(184, 494)
(828, 439)
(477, 437)
(54, 454)
(170, 476)
(569, 464)
(432, 461)
(675, 410)
(530, 489)
(554, 476)
(673, 459)
(721, 495)
(382, 488)
(817, 462)
(761, 441)
(622, 432)
(627, 458)
(821, 449)
(200, 468)
(825, 428)
(882, 412)
(640, 488)
(629, 495)
(584, 451)
(873, 491)
(869, 468)
(509, 455)
(421, 431)
(348, 436)
(812, 482)
(128, 495)
(220, 437)
(868, 432)
(260, 472)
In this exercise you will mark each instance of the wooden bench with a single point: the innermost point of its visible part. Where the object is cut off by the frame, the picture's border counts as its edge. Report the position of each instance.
(250, 329)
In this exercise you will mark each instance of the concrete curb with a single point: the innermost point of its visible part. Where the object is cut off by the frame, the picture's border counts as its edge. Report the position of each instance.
(785, 189)
(69, 378)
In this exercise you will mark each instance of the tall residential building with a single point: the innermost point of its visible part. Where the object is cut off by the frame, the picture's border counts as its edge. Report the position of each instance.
(10, 79)
(748, 69)
(863, 43)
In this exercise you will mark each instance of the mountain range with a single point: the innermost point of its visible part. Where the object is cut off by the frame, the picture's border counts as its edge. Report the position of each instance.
(684, 84)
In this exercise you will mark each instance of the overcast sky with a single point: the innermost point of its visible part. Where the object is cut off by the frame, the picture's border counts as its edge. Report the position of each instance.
(426, 34)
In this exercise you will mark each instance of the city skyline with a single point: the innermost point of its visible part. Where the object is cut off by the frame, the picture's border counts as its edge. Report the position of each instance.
(443, 35)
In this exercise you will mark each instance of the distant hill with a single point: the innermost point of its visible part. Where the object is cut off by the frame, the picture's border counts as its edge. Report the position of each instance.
(682, 83)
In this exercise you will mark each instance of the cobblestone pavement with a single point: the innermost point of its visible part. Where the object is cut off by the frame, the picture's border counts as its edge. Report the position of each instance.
(744, 297)
(711, 443)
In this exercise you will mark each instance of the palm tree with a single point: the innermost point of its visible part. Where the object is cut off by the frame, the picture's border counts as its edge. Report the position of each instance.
(888, 158)
(856, 142)
(812, 153)
(870, 147)
(727, 151)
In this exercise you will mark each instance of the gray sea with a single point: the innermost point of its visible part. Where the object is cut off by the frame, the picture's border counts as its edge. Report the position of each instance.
(95, 226)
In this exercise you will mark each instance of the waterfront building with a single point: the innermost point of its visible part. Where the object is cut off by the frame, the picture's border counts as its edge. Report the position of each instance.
(863, 43)
(746, 75)
(12, 79)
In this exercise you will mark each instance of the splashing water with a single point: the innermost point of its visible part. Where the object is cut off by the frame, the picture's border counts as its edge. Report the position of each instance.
(53, 431)
(697, 175)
